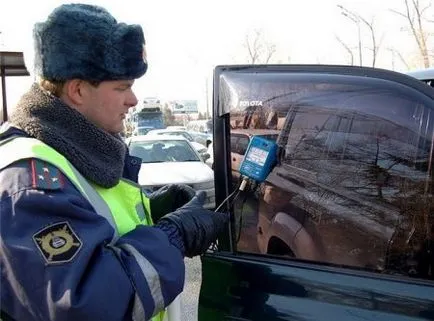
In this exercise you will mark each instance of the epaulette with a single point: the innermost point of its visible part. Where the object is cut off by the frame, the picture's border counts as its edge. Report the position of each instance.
(45, 175)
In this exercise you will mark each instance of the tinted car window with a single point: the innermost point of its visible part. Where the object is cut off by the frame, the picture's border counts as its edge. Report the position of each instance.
(353, 184)
(364, 177)
(243, 143)
(239, 143)
(234, 141)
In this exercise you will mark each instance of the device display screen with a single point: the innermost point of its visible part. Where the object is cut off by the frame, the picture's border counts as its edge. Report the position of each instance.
(257, 156)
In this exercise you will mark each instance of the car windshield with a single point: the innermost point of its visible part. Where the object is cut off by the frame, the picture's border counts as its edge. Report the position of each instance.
(157, 151)
(143, 130)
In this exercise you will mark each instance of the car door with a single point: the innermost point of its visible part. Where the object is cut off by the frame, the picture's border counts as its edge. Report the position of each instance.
(343, 226)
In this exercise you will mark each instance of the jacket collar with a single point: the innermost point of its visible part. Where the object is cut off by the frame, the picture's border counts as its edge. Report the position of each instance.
(97, 155)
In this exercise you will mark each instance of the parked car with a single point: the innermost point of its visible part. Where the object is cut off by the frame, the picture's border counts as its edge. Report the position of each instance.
(172, 160)
(426, 75)
(202, 138)
(342, 228)
(176, 127)
(199, 143)
(192, 136)
(200, 147)
(201, 125)
(143, 130)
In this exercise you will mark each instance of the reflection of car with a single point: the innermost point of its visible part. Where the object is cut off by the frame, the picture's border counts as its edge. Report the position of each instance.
(171, 160)
(198, 144)
(342, 228)
(345, 167)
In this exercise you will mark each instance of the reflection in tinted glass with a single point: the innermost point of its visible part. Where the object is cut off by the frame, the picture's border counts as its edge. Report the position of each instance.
(353, 185)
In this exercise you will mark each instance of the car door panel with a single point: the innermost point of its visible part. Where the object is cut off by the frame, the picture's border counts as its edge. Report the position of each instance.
(247, 288)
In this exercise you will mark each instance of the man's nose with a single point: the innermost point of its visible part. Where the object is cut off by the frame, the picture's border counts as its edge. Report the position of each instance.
(131, 100)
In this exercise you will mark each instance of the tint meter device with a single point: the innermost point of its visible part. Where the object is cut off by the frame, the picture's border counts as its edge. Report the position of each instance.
(259, 159)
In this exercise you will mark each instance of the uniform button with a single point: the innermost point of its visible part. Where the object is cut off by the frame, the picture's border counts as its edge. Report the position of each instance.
(134, 162)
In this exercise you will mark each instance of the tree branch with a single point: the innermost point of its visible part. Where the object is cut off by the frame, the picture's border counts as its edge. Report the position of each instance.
(347, 48)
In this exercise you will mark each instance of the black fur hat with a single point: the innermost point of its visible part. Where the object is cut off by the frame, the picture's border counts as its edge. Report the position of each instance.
(86, 42)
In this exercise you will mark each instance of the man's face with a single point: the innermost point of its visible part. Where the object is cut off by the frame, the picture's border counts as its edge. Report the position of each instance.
(107, 104)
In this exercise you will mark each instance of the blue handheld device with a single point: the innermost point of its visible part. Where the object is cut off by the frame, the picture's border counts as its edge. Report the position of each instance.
(259, 159)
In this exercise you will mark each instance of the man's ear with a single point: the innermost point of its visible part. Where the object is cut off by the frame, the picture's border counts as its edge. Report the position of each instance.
(75, 90)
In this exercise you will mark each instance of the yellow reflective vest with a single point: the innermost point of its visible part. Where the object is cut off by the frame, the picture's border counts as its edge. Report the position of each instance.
(124, 206)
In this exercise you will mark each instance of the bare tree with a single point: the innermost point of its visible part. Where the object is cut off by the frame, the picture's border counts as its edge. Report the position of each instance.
(396, 53)
(259, 50)
(414, 14)
(375, 43)
(253, 47)
(347, 48)
(358, 19)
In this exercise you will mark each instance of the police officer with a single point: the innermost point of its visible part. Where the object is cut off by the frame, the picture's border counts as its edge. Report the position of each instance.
(77, 240)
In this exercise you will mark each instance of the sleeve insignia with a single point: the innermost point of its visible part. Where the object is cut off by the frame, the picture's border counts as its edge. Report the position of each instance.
(57, 243)
(45, 175)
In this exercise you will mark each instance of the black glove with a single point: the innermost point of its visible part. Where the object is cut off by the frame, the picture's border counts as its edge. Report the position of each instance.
(169, 198)
(198, 227)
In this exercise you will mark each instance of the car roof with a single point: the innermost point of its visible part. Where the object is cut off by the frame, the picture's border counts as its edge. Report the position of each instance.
(422, 74)
(175, 127)
(167, 130)
(143, 138)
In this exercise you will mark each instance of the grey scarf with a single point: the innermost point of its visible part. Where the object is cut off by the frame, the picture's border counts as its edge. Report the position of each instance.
(97, 155)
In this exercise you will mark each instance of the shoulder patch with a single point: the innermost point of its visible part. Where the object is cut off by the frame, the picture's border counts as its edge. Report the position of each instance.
(57, 243)
(45, 176)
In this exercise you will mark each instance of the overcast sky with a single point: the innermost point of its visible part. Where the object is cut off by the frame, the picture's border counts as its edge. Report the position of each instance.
(186, 39)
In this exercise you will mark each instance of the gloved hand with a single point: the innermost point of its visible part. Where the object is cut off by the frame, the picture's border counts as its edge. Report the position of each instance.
(198, 227)
(169, 198)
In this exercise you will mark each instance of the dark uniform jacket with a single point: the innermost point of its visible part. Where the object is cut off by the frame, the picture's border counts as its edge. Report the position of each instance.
(91, 281)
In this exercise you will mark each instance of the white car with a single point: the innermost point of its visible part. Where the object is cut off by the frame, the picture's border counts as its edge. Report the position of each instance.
(176, 127)
(210, 152)
(172, 160)
(199, 146)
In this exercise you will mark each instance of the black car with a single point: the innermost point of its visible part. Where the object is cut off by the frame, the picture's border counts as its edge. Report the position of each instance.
(342, 228)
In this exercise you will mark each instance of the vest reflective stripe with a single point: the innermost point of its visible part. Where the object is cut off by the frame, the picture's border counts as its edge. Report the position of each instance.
(149, 273)
(138, 310)
(113, 204)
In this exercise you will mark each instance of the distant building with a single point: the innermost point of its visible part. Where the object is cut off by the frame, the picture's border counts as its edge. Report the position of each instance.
(184, 110)
(183, 106)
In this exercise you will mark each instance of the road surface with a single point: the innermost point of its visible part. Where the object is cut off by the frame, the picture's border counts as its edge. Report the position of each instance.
(190, 296)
